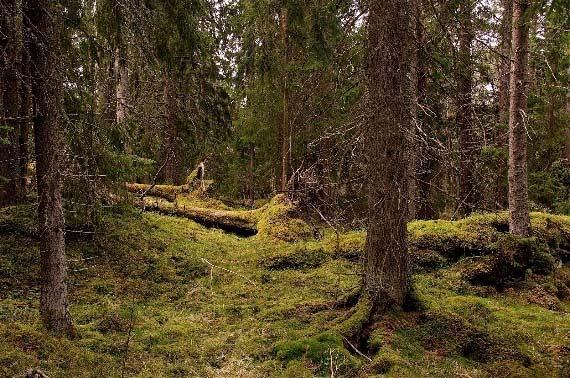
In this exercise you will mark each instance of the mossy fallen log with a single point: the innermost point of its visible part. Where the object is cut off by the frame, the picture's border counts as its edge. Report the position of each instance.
(230, 221)
(168, 192)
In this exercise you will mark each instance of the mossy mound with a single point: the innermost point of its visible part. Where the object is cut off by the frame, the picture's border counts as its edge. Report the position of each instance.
(324, 351)
(298, 257)
(279, 220)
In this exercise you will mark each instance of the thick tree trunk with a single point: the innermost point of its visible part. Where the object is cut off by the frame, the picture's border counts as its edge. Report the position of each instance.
(286, 123)
(519, 219)
(390, 96)
(9, 148)
(464, 119)
(46, 22)
(169, 172)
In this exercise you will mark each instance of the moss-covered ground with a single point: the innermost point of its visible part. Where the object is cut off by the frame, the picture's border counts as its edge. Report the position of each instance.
(159, 296)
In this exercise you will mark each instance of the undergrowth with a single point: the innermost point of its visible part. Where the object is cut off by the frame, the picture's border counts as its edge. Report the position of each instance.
(202, 302)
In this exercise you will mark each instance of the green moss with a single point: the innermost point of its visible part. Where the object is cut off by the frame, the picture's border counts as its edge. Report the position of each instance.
(278, 221)
(319, 350)
(359, 317)
(385, 360)
(195, 320)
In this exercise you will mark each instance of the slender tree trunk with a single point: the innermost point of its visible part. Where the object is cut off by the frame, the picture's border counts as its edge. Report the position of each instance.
(505, 66)
(414, 143)
(567, 131)
(426, 162)
(122, 85)
(250, 175)
(464, 120)
(46, 22)
(391, 109)
(9, 152)
(26, 109)
(519, 219)
(504, 101)
(286, 123)
(170, 150)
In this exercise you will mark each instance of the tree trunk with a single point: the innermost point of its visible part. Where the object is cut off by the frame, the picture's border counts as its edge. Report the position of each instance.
(122, 85)
(464, 119)
(46, 21)
(391, 108)
(26, 109)
(250, 175)
(286, 124)
(519, 219)
(9, 148)
(169, 172)
(505, 67)
(504, 78)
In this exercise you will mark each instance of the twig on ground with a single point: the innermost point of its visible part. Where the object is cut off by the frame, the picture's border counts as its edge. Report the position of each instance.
(229, 271)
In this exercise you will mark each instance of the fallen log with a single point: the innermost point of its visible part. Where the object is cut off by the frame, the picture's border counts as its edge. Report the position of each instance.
(230, 221)
(168, 192)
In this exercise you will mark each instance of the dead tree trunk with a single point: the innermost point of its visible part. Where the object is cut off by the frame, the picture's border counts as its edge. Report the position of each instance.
(519, 219)
(46, 22)
(390, 96)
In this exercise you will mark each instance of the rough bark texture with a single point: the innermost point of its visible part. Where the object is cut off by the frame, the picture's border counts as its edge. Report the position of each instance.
(46, 21)
(505, 67)
(464, 119)
(122, 85)
(519, 219)
(286, 123)
(169, 172)
(250, 175)
(12, 43)
(390, 96)
(26, 108)
(502, 136)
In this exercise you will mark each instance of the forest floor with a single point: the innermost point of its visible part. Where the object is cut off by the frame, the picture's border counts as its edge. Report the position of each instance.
(162, 296)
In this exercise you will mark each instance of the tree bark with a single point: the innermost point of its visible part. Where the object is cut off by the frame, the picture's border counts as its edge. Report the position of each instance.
(464, 119)
(505, 68)
(391, 107)
(9, 152)
(46, 22)
(26, 110)
(169, 172)
(504, 100)
(250, 175)
(519, 219)
(286, 123)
